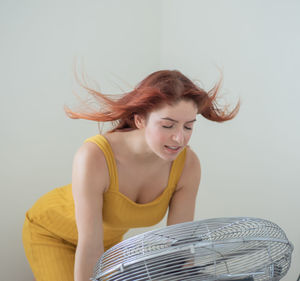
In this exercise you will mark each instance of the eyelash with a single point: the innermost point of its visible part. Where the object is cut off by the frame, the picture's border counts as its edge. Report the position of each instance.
(169, 127)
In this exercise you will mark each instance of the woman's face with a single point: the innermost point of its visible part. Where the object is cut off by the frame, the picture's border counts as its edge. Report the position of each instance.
(169, 128)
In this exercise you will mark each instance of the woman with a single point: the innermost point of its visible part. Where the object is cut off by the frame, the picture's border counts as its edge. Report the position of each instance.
(126, 178)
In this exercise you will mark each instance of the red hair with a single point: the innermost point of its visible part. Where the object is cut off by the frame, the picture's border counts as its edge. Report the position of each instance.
(159, 88)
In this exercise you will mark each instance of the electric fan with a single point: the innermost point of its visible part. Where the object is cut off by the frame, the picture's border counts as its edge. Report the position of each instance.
(237, 249)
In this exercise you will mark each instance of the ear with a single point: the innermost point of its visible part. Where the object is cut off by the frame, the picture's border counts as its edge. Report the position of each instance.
(139, 121)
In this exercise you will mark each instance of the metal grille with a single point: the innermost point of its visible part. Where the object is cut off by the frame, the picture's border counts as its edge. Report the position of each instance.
(239, 249)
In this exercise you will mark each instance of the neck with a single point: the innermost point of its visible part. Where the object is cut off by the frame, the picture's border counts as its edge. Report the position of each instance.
(133, 145)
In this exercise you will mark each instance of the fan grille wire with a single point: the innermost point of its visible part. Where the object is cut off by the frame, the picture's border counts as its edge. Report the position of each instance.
(215, 249)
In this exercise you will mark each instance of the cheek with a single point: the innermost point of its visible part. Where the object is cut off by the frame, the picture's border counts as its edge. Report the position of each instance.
(156, 135)
(187, 137)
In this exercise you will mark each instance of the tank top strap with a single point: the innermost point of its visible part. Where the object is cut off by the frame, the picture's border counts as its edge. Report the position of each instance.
(176, 170)
(104, 145)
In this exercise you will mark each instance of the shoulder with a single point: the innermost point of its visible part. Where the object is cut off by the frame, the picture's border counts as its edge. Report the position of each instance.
(90, 162)
(192, 159)
(89, 153)
(191, 172)
(192, 164)
(89, 149)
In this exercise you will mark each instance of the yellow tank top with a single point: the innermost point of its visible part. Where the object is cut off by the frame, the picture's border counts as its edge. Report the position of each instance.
(55, 210)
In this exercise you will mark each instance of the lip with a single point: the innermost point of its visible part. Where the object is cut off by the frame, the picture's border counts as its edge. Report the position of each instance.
(167, 147)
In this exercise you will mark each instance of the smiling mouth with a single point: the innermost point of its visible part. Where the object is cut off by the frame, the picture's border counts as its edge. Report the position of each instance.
(173, 148)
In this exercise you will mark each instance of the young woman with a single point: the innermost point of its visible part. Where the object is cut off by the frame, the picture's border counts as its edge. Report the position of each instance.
(127, 178)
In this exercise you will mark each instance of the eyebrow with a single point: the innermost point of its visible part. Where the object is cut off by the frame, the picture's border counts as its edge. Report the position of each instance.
(170, 119)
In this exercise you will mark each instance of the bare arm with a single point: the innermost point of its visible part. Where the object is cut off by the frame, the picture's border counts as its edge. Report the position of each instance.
(89, 180)
(182, 204)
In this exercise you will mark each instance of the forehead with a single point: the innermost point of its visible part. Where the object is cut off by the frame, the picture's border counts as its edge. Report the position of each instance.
(183, 110)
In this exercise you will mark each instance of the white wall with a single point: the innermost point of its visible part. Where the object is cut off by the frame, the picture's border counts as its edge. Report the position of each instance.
(249, 165)
(39, 41)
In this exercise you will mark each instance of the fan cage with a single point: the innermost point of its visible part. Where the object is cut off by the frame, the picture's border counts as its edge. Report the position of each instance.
(215, 249)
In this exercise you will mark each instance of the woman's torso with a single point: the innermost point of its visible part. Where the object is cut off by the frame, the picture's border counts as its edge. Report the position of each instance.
(141, 200)
(140, 180)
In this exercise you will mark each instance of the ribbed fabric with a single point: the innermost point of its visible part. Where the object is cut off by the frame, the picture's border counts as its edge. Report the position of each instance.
(50, 232)
(50, 257)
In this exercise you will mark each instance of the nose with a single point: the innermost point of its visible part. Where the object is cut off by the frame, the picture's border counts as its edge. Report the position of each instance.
(178, 137)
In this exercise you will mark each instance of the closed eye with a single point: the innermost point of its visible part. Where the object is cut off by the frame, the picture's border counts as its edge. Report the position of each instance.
(169, 127)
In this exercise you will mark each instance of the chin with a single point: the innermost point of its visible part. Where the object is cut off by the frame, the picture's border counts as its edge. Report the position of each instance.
(169, 155)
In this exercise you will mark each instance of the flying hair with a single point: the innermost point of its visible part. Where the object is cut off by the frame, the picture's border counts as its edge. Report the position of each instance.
(158, 89)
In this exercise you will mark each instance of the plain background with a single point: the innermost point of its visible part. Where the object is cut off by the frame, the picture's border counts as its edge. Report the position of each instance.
(250, 166)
